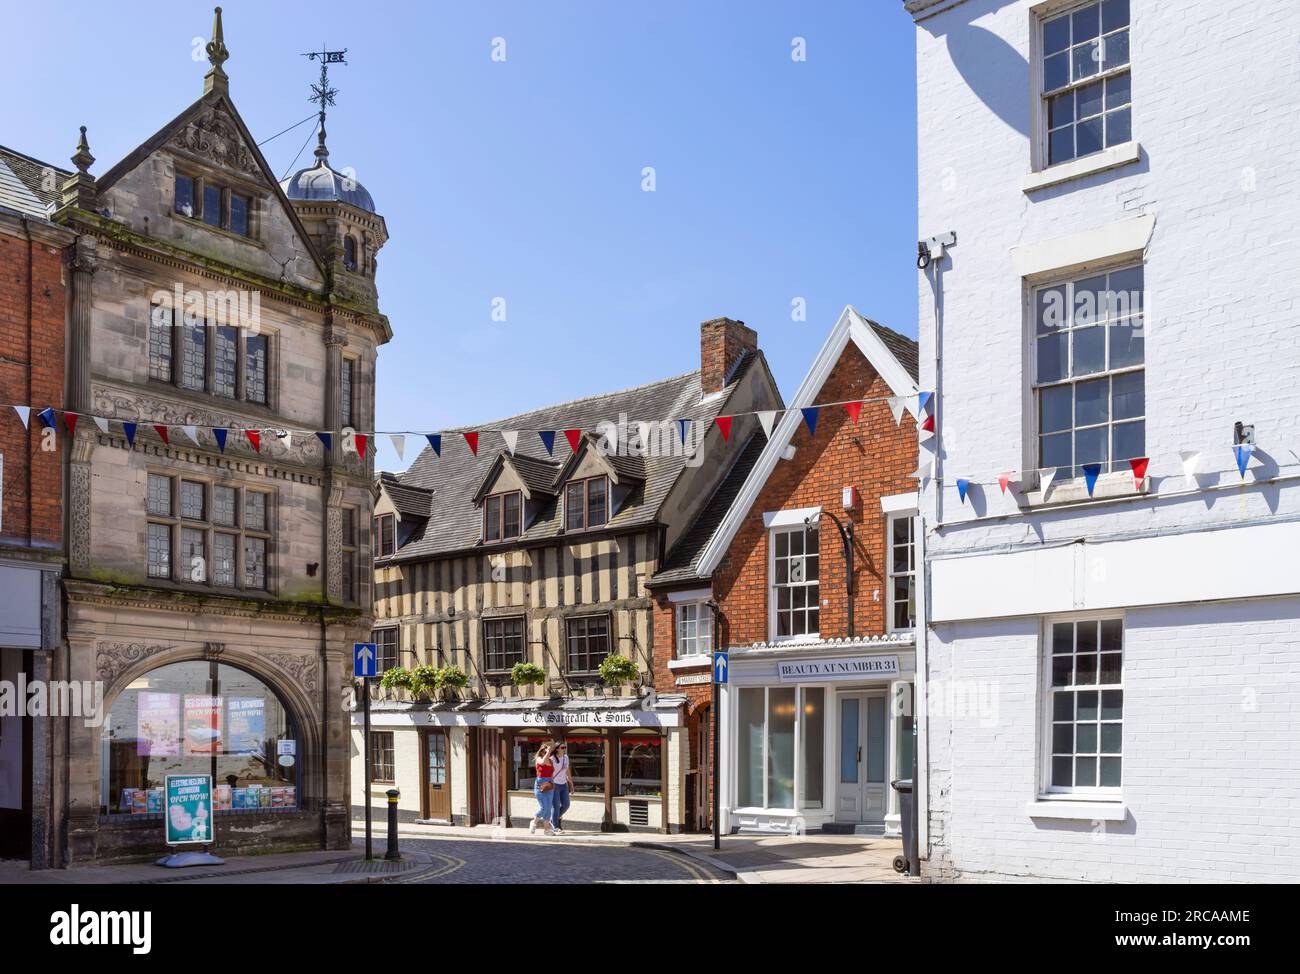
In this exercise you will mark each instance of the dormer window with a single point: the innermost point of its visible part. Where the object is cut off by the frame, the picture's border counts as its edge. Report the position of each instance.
(350, 252)
(503, 516)
(385, 531)
(586, 503)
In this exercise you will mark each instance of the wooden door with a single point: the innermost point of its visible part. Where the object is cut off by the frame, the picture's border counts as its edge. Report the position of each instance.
(437, 784)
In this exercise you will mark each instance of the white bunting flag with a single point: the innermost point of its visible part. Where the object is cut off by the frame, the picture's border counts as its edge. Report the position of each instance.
(1045, 478)
(399, 445)
(766, 418)
(192, 432)
(924, 472)
(913, 404)
(512, 440)
(101, 422)
(286, 438)
(23, 413)
(896, 407)
(1191, 460)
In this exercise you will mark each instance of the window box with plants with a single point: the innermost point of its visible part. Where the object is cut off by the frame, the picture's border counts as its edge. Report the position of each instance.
(617, 671)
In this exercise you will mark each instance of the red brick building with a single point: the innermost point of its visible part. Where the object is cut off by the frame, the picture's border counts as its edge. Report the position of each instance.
(33, 311)
(815, 715)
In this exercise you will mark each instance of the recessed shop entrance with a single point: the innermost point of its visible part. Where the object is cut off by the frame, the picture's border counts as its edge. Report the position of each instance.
(863, 757)
(15, 766)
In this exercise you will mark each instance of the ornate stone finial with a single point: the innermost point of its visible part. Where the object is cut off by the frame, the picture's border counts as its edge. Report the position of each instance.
(82, 159)
(216, 48)
(215, 79)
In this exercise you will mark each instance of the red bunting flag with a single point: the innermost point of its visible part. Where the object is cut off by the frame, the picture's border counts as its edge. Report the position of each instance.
(70, 421)
(928, 425)
(361, 439)
(255, 438)
(162, 433)
(1139, 465)
(724, 424)
(574, 437)
(472, 440)
(1003, 480)
(854, 409)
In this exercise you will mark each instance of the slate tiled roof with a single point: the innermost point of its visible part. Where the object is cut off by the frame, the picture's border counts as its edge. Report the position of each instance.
(539, 475)
(455, 523)
(680, 565)
(25, 186)
(902, 347)
(407, 499)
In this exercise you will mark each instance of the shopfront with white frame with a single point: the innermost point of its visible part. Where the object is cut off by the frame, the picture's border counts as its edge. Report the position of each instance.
(813, 734)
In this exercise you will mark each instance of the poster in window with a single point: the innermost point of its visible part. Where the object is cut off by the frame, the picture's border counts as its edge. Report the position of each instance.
(245, 725)
(158, 725)
(202, 724)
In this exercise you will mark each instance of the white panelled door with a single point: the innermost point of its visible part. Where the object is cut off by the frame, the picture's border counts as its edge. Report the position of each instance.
(863, 757)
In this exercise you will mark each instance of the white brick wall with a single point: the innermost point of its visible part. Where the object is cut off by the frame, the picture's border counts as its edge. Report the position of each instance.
(1211, 767)
(1210, 783)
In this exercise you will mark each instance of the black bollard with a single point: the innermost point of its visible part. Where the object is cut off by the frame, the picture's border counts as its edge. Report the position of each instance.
(392, 853)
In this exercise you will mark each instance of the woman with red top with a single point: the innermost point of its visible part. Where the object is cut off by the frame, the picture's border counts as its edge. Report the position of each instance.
(544, 788)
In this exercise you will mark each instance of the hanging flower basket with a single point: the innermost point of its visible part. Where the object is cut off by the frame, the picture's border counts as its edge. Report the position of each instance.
(527, 675)
(617, 670)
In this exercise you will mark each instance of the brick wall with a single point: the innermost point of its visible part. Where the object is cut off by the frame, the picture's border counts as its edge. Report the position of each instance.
(32, 315)
(873, 455)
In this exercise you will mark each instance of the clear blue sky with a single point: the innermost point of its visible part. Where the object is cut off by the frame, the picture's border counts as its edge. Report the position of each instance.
(522, 180)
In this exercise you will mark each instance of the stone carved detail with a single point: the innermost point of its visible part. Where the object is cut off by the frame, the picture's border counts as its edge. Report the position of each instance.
(215, 137)
(114, 659)
(334, 554)
(303, 448)
(79, 522)
(303, 670)
(213, 651)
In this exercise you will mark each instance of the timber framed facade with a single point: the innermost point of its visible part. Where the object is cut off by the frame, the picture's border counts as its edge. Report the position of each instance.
(562, 589)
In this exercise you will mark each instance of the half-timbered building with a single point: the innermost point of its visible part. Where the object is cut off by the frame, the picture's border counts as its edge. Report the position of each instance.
(518, 553)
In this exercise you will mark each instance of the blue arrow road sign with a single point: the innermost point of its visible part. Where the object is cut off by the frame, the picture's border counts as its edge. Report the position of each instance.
(719, 667)
(364, 658)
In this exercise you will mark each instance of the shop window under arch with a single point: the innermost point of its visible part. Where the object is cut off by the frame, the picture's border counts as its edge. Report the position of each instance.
(199, 718)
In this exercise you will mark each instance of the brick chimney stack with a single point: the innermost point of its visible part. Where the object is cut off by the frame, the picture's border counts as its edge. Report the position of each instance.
(722, 342)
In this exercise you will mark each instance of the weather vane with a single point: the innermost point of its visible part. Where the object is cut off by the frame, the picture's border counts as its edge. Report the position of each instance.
(322, 93)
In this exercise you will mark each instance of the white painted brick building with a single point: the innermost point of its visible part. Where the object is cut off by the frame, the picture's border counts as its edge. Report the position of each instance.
(1126, 149)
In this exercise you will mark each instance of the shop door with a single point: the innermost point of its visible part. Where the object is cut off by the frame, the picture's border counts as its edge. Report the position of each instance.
(437, 787)
(15, 768)
(487, 763)
(863, 740)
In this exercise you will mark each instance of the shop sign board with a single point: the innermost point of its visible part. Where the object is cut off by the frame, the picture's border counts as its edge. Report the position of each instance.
(840, 668)
(188, 800)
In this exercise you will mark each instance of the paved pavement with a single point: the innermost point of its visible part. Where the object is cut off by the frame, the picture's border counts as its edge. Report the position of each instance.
(442, 854)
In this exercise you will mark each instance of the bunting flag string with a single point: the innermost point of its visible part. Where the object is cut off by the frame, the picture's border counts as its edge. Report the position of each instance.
(1191, 461)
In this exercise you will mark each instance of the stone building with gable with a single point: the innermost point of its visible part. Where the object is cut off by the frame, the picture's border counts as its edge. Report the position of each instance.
(215, 581)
